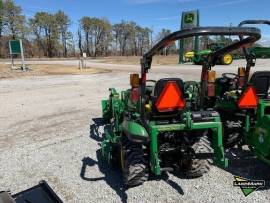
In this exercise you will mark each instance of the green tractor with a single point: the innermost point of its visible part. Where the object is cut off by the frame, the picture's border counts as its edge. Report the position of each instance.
(166, 125)
(261, 52)
(243, 103)
(225, 59)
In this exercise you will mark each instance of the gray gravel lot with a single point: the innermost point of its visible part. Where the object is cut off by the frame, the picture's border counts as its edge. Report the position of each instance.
(48, 131)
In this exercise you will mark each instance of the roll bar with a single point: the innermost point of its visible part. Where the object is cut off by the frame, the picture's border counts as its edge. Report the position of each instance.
(249, 57)
(254, 22)
(253, 34)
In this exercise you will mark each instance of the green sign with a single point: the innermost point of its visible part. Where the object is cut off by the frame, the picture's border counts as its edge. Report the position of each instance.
(190, 19)
(15, 47)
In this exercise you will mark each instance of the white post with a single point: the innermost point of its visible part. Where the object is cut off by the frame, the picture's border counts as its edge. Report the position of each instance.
(12, 62)
(22, 54)
(80, 63)
(84, 60)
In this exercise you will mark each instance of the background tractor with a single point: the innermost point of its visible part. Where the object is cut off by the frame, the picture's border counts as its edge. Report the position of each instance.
(244, 105)
(166, 125)
(225, 59)
(261, 52)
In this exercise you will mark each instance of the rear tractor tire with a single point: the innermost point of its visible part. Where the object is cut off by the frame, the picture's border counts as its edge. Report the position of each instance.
(134, 166)
(194, 168)
(232, 133)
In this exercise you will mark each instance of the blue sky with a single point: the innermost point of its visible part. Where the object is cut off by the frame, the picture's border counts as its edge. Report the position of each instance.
(157, 14)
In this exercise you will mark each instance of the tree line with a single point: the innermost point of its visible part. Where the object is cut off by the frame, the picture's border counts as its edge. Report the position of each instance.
(49, 34)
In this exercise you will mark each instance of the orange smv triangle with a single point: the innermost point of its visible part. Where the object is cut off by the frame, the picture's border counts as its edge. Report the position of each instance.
(249, 99)
(171, 98)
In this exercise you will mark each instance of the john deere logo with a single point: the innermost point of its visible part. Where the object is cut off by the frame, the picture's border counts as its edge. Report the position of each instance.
(248, 186)
(189, 18)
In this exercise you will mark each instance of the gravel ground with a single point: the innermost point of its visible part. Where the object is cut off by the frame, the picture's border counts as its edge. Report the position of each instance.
(49, 129)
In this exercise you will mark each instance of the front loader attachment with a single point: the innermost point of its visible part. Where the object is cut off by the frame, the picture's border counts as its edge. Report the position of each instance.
(41, 193)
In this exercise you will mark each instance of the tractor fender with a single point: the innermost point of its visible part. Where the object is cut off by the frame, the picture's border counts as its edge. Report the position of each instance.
(260, 139)
(134, 131)
(106, 110)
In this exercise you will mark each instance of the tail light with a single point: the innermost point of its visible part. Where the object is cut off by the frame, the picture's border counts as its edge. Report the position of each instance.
(135, 95)
(134, 80)
(241, 76)
(249, 99)
(211, 78)
(211, 89)
(171, 98)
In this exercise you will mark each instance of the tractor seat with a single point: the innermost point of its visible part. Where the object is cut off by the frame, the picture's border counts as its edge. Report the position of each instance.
(260, 80)
(158, 88)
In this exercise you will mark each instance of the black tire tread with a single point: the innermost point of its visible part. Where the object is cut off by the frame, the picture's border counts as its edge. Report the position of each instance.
(198, 167)
(135, 170)
(232, 135)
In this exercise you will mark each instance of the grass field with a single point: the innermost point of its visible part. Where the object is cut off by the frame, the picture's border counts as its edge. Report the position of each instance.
(61, 69)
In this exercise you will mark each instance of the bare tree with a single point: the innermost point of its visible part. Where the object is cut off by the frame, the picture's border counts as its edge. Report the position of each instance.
(13, 18)
(80, 41)
(63, 22)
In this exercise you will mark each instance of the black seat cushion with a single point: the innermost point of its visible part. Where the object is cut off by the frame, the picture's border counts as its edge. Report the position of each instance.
(162, 82)
(260, 80)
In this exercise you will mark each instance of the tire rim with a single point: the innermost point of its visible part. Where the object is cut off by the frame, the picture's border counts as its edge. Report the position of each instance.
(227, 58)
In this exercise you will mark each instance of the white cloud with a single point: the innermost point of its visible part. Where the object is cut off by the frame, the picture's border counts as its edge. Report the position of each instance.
(265, 41)
(225, 3)
(186, 1)
(155, 1)
(142, 1)
(218, 3)
(168, 18)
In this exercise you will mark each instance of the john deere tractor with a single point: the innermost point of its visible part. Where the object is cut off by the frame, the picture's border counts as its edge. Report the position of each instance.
(225, 59)
(167, 125)
(244, 105)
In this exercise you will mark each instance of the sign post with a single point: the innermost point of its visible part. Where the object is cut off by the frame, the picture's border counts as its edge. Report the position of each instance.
(82, 62)
(190, 19)
(16, 47)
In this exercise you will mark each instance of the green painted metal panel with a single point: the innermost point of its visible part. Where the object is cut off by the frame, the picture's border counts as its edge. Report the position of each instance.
(217, 144)
(260, 139)
(15, 47)
(134, 129)
(106, 111)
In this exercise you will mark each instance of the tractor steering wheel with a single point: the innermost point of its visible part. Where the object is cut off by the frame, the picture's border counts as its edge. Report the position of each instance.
(230, 76)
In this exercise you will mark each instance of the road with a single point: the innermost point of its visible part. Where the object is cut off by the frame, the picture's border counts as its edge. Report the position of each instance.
(49, 130)
(183, 69)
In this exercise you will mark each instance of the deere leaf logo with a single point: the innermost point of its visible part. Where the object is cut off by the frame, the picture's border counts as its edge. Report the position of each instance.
(189, 18)
(248, 186)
